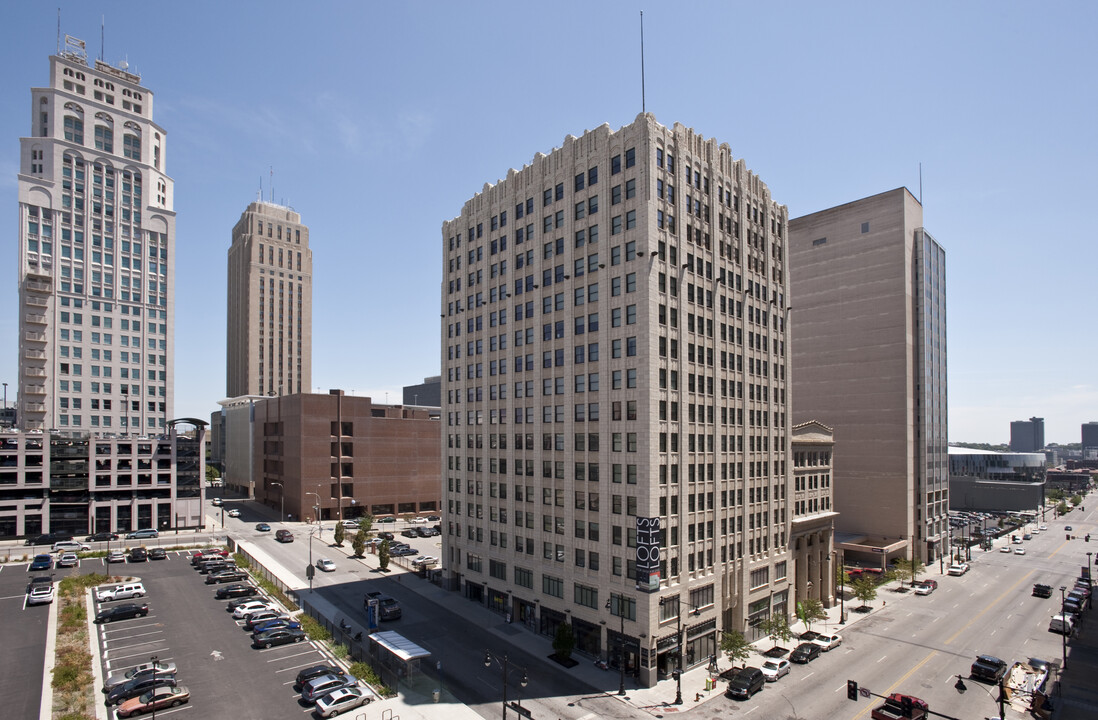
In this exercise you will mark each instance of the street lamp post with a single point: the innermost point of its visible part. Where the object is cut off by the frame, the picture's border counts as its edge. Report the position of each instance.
(842, 586)
(961, 687)
(153, 659)
(1090, 595)
(505, 668)
(1063, 635)
(621, 642)
(677, 673)
(316, 508)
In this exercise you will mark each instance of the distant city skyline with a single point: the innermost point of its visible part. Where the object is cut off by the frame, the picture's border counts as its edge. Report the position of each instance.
(382, 121)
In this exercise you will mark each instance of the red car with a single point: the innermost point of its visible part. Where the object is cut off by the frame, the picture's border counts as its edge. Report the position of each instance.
(158, 699)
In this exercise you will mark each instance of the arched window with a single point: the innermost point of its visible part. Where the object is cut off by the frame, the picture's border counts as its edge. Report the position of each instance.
(104, 138)
(74, 129)
(131, 146)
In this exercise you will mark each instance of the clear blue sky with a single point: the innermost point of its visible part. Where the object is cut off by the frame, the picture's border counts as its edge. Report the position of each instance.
(381, 119)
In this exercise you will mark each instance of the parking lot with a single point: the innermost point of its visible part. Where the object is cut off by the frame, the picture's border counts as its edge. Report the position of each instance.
(186, 625)
(24, 645)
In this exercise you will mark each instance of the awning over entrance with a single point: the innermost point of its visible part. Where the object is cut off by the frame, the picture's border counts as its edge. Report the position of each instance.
(399, 645)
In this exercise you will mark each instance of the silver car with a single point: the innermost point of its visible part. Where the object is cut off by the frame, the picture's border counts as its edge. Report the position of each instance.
(162, 669)
(341, 700)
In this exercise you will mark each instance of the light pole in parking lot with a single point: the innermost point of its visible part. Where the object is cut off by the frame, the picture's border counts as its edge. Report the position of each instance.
(282, 494)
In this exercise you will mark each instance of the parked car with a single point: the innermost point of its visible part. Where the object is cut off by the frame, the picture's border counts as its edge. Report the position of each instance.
(427, 532)
(747, 682)
(139, 671)
(124, 591)
(261, 616)
(262, 527)
(208, 554)
(116, 556)
(261, 627)
(68, 560)
(138, 687)
(315, 671)
(433, 518)
(284, 536)
(988, 668)
(805, 652)
(1063, 624)
(958, 568)
(205, 567)
(388, 608)
(224, 576)
(828, 642)
(774, 669)
(101, 536)
(1042, 591)
(341, 700)
(386, 536)
(244, 609)
(125, 611)
(403, 551)
(157, 699)
(320, 686)
(237, 590)
(924, 588)
(40, 593)
(70, 546)
(232, 605)
(158, 554)
(41, 562)
(282, 636)
(386, 520)
(143, 533)
(234, 513)
(425, 561)
(410, 532)
(48, 538)
(139, 554)
(325, 564)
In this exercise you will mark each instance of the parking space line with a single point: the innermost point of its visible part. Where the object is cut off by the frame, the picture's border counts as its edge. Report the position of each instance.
(12, 597)
(165, 658)
(124, 657)
(131, 627)
(287, 657)
(296, 667)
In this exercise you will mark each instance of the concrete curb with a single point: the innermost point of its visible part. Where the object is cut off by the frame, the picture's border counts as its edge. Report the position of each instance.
(45, 707)
(97, 660)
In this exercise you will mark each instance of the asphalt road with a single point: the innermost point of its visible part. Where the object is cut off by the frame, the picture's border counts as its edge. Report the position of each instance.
(23, 651)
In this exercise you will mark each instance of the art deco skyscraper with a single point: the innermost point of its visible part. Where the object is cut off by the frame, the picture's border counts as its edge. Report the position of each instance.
(96, 254)
(270, 303)
(615, 396)
(868, 287)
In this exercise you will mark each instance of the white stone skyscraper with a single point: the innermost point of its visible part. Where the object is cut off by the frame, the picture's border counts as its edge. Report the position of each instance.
(96, 254)
(616, 436)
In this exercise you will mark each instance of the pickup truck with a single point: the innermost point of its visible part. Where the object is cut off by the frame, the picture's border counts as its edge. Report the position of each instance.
(900, 707)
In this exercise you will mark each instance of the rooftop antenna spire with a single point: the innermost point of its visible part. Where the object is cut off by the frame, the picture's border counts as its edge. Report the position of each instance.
(103, 38)
(272, 184)
(642, 61)
(58, 31)
(260, 188)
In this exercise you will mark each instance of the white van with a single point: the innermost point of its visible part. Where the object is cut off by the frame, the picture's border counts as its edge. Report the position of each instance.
(120, 592)
(1062, 624)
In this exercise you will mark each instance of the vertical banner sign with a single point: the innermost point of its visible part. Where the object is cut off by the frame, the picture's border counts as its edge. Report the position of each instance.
(648, 554)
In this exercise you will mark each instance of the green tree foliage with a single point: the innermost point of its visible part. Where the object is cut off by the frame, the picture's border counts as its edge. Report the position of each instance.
(865, 589)
(212, 473)
(340, 534)
(383, 555)
(735, 647)
(777, 627)
(366, 522)
(1055, 494)
(1062, 508)
(564, 642)
(1076, 499)
(809, 610)
(359, 543)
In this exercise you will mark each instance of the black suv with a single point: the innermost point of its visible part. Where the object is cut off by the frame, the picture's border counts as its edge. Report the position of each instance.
(1042, 591)
(124, 611)
(139, 554)
(747, 682)
(988, 668)
(805, 652)
(49, 539)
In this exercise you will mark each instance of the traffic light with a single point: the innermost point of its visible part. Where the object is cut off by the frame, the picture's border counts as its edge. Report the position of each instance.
(851, 690)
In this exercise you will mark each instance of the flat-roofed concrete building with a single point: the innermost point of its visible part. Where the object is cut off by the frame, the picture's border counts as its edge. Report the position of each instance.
(336, 456)
(1027, 436)
(270, 304)
(615, 394)
(96, 254)
(868, 290)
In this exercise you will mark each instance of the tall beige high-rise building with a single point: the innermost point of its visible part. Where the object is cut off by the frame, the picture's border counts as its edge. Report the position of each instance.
(96, 255)
(615, 395)
(868, 287)
(270, 303)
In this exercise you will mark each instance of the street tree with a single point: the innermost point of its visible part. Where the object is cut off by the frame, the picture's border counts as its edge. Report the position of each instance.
(777, 627)
(809, 610)
(865, 590)
(340, 534)
(359, 543)
(735, 647)
(383, 555)
(564, 642)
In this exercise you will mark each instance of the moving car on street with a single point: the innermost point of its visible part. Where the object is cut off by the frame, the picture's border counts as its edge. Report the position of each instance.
(326, 565)
(144, 533)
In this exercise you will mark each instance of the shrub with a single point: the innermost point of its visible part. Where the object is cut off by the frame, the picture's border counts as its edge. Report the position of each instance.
(313, 629)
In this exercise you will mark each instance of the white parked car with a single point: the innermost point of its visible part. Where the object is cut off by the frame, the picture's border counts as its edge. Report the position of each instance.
(419, 520)
(243, 611)
(924, 589)
(828, 642)
(116, 556)
(70, 546)
(958, 568)
(68, 560)
(40, 594)
(124, 591)
(774, 669)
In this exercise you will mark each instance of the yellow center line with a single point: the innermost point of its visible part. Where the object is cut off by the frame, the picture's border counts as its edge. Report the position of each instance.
(873, 701)
(993, 603)
(1063, 545)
